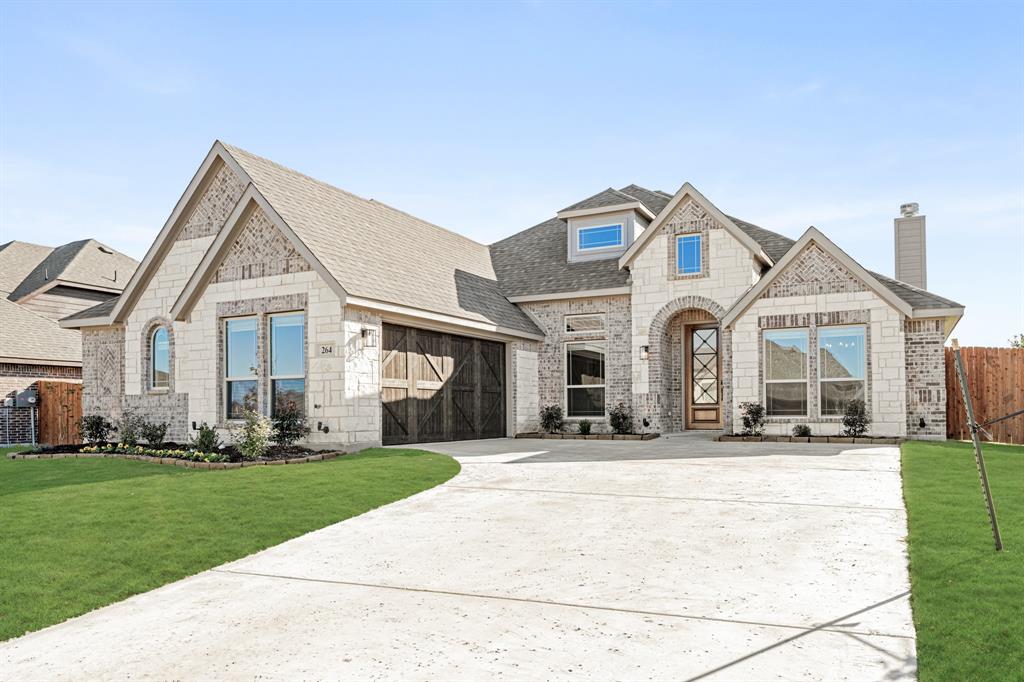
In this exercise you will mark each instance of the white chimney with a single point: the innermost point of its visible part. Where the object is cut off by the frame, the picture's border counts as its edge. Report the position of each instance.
(911, 257)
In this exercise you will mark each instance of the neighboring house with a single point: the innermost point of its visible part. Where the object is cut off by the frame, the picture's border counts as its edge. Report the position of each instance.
(38, 286)
(267, 287)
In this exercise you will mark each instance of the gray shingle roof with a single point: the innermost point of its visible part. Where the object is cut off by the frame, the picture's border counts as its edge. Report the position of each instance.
(86, 262)
(606, 197)
(26, 335)
(17, 260)
(654, 200)
(378, 252)
(98, 310)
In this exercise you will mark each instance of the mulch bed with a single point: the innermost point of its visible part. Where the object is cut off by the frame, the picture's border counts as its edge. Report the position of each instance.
(592, 436)
(865, 440)
(276, 454)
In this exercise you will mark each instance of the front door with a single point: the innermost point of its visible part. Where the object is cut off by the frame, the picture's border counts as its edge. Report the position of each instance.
(702, 379)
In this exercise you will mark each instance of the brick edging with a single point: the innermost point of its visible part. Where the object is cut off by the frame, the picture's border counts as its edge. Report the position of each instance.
(593, 436)
(808, 439)
(175, 461)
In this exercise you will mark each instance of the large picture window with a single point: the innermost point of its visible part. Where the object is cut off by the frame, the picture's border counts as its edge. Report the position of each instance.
(785, 372)
(288, 363)
(842, 362)
(160, 358)
(584, 363)
(240, 365)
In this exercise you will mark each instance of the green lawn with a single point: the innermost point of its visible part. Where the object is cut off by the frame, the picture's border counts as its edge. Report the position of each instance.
(968, 599)
(76, 534)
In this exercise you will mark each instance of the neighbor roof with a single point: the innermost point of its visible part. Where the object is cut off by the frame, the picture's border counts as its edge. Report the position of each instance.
(17, 260)
(28, 336)
(86, 263)
(383, 254)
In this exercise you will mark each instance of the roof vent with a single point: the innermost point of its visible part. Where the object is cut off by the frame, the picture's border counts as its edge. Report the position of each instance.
(909, 210)
(104, 249)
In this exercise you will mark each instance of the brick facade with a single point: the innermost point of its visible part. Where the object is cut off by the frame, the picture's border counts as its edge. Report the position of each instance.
(689, 218)
(926, 377)
(814, 272)
(214, 206)
(260, 250)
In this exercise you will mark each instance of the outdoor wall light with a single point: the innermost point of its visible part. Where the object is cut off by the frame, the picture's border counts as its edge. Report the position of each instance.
(369, 337)
(645, 352)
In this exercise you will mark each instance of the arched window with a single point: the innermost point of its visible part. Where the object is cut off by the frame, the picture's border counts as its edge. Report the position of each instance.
(160, 359)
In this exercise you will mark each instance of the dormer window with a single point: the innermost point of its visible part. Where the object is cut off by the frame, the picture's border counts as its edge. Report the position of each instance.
(599, 237)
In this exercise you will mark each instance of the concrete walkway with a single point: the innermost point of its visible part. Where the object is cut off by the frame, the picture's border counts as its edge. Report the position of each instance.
(672, 559)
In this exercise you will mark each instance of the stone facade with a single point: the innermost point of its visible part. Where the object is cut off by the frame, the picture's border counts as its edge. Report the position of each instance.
(551, 369)
(525, 389)
(214, 206)
(926, 378)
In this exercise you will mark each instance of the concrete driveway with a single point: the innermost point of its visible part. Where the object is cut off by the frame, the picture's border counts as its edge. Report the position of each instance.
(674, 559)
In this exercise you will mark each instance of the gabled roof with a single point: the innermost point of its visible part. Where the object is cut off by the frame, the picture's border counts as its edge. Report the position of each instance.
(17, 260)
(688, 191)
(889, 292)
(28, 337)
(371, 253)
(85, 263)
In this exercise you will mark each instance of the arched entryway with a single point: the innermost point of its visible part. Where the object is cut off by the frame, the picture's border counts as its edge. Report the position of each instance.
(688, 365)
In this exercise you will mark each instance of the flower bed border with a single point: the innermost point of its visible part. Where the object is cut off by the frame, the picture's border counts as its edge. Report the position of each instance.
(175, 461)
(592, 436)
(864, 440)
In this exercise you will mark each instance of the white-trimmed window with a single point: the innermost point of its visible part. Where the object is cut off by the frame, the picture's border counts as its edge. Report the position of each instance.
(589, 323)
(688, 254)
(288, 362)
(599, 237)
(584, 379)
(160, 358)
(240, 363)
(785, 372)
(842, 365)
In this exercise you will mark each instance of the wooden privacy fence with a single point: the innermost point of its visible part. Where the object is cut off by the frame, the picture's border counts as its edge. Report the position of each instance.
(60, 412)
(996, 380)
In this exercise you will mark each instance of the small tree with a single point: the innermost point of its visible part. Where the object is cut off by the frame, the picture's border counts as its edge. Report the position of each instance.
(206, 439)
(620, 418)
(252, 438)
(584, 425)
(129, 428)
(856, 418)
(289, 425)
(154, 432)
(753, 418)
(96, 428)
(551, 418)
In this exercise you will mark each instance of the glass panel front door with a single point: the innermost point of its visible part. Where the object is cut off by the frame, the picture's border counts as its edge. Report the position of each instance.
(703, 408)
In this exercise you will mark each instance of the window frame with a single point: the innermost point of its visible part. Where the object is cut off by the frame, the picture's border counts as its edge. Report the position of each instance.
(680, 267)
(604, 379)
(271, 377)
(575, 332)
(226, 380)
(605, 247)
(153, 386)
(806, 381)
(822, 380)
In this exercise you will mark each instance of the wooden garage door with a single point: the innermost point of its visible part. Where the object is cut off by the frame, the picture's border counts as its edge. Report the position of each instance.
(438, 386)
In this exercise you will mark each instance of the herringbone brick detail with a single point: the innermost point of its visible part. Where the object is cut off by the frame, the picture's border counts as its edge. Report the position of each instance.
(814, 272)
(260, 250)
(214, 207)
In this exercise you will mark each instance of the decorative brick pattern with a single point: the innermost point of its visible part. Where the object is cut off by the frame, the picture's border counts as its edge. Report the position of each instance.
(811, 322)
(665, 358)
(926, 377)
(216, 204)
(550, 316)
(813, 272)
(260, 250)
(147, 355)
(689, 218)
(261, 308)
(103, 370)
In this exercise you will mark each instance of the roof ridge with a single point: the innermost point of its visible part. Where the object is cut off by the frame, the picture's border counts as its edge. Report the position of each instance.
(232, 148)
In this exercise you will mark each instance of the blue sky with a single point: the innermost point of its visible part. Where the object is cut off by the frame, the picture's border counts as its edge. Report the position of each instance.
(488, 118)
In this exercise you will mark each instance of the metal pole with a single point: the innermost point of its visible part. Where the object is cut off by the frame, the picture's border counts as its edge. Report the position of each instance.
(978, 457)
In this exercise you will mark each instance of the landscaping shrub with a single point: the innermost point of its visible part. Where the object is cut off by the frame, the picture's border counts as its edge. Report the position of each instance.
(551, 418)
(620, 418)
(129, 428)
(289, 426)
(206, 439)
(252, 438)
(122, 449)
(753, 418)
(154, 432)
(96, 428)
(802, 430)
(856, 419)
(584, 426)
